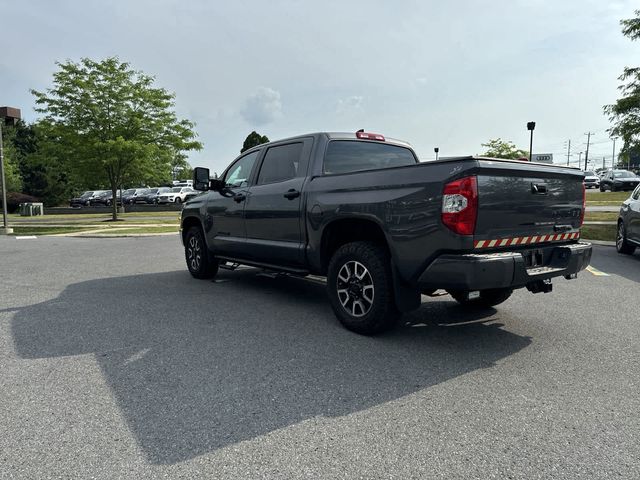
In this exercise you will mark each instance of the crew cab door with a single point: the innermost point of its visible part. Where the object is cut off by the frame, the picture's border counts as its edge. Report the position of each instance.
(224, 221)
(274, 224)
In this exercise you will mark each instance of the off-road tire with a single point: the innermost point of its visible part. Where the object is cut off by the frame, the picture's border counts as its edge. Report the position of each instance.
(376, 311)
(200, 262)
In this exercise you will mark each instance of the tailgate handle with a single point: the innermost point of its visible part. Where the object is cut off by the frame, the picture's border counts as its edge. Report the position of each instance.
(539, 188)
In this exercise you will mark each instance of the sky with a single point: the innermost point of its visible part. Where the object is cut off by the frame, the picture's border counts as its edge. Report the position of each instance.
(437, 74)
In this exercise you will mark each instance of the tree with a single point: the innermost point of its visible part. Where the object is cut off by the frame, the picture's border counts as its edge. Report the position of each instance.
(625, 113)
(498, 148)
(253, 139)
(110, 124)
(11, 162)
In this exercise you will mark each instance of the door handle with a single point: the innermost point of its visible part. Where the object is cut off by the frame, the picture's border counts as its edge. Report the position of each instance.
(539, 188)
(239, 197)
(292, 193)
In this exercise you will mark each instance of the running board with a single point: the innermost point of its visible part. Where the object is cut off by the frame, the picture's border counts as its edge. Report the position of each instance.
(268, 266)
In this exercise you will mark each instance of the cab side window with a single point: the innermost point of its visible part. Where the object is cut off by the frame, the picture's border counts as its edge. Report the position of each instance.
(238, 174)
(636, 194)
(281, 163)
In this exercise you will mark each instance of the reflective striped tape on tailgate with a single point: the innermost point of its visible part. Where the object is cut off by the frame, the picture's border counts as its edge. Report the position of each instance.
(507, 242)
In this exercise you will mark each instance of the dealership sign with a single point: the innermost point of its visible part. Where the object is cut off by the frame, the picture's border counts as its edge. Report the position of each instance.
(542, 157)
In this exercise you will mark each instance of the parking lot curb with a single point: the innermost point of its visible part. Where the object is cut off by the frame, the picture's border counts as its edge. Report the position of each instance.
(600, 242)
(118, 235)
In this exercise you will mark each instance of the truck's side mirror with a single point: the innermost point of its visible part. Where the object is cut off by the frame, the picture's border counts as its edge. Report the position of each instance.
(201, 178)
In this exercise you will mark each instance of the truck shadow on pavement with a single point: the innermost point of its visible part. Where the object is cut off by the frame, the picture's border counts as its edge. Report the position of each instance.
(197, 365)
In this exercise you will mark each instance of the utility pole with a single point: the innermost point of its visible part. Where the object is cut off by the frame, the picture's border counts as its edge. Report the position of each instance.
(613, 156)
(568, 152)
(579, 159)
(586, 155)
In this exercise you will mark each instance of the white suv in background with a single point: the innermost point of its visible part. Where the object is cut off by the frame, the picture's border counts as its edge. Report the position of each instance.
(175, 195)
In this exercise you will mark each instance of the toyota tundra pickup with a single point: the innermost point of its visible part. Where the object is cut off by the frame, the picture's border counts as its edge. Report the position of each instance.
(384, 228)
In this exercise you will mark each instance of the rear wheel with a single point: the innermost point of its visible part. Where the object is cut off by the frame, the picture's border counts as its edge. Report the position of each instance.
(178, 200)
(200, 261)
(622, 245)
(360, 288)
(487, 298)
(602, 188)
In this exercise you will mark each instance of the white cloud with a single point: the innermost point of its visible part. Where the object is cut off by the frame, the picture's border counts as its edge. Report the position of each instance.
(262, 107)
(349, 104)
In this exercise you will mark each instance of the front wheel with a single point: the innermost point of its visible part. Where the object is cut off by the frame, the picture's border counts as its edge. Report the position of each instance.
(178, 200)
(200, 262)
(360, 288)
(486, 298)
(622, 245)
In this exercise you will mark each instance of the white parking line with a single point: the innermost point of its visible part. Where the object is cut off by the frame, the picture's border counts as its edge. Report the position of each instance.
(26, 237)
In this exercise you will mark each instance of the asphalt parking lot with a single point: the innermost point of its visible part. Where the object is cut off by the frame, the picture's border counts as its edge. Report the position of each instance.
(115, 363)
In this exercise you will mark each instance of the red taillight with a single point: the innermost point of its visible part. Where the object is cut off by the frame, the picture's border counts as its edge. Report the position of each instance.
(370, 136)
(460, 205)
(584, 204)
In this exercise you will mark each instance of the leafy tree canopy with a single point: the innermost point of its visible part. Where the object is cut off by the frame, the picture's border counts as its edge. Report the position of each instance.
(253, 139)
(625, 113)
(110, 124)
(13, 180)
(498, 148)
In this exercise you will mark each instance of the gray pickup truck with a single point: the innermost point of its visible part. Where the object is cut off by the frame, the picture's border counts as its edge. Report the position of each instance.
(384, 228)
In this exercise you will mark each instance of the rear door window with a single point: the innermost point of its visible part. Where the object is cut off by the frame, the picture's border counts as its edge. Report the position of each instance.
(345, 156)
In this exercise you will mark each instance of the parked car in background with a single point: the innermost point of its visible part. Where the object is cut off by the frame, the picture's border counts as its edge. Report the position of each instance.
(175, 195)
(99, 198)
(106, 199)
(141, 196)
(129, 195)
(83, 200)
(152, 194)
(183, 183)
(591, 180)
(615, 180)
(628, 235)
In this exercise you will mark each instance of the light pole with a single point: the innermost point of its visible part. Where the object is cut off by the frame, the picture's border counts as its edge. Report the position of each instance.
(436, 150)
(7, 114)
(531, 126)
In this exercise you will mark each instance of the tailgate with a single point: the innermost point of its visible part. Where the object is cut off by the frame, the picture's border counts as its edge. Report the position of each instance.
(521, 202)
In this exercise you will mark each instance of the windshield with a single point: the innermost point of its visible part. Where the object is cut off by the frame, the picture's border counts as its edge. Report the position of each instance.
(153, 190)
(86, 194)
(176, 189)
(131, 191)
(623, 174)
(589, 174)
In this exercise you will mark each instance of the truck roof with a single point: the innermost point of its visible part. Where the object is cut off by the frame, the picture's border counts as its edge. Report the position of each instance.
(337, 136)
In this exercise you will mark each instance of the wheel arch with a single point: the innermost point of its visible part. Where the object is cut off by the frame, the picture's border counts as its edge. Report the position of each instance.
(345, 230)
(187, 224)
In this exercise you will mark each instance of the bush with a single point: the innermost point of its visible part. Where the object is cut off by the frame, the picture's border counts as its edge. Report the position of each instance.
(14, 199)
